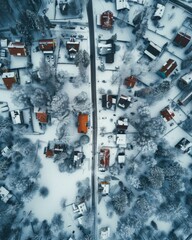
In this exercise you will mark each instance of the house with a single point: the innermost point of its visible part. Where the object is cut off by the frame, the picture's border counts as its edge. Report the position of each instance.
(106, 20)
(181, 40)
(54, 147)
(184, 145)
(9, 78)
(104, 187)
(187, 78)
(17, 116)
(130, 81)
(108, 50)
(109, 101)
(160, 9)
(17, 49)
(3, 43)
(122, 125)
(142, 2)
(72, 47)
(122, 4)
(121, 158)
(4, 194)
(83, 123)
(6, 152)
(124, 102)
(3, 53)
(167, 114)
(104, 233)
(47, 46)
(167, 68)
(104, 158)
(79, 208)
(41, 115)
(78, 158)
(63, 6)
(185, 98)
(152, 51)
(121, 139)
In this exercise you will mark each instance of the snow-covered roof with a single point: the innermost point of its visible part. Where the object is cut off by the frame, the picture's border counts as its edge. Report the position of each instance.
(3, 43)
(121, 139)
(5, 151)
(159, 11)
(105, 233)
(104, 49)
(4, 194)
(138, 1)
(122, 4)
(8, 75)
(105, 187)
(16, 116)
(187, 77)
(121, 158)
(16, 45)
(153, 50)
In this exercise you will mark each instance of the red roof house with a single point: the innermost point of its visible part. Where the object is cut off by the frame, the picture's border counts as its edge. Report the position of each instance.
(167, 114)
(106, 20)
(9, 78)
(72, 47)
(17, 49)
(83, 123)
(42, 117)
(130, 81)
(47, 45)
(167, 68)
(104, 157)
(181, 39)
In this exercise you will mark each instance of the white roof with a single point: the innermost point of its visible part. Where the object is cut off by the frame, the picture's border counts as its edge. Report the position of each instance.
(123, 122)
(151, 54)
(105, 186)
(8, 75)
(187, 77)
(138, 1)
(121, 158)
(98, 18)
(5, 151)
(122, 4)
(15, 45)
(105, 233)
(4, 194)
(3, 43)
(159, 10)
(82, 207)
(15, 115)
(121, 139)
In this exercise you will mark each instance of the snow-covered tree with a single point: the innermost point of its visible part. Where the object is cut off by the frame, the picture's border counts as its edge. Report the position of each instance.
(156, 177)
(39, 98)
(119, 202)
(82, 58)
(81, 103)
(20, 96)
(59, 105)
(57, 223)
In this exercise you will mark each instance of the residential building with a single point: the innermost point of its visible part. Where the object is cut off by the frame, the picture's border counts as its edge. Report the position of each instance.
(121, 139)
(130, 81)
(17, 116)
(104, 233)
(185, 98)
(108, 50)
(9, 78)
(104, 158)
(4, 194)
(121, 158)
(167, 68)
(47, 46)
(104, 187)
(6, 152)
(54, 147)
(187, 78)
(83, 123)
(122, 4)
(41, 115)
(17, 49)
(152, 51)
(79, 208)
(3, 43)
(184, 145)
(106, 20)
(160, 9)
(124, 102)
(167, 114)
(122, 125)
(78, 158)
(109, 101)
(72, 47)
(142, 2)
(181, 40)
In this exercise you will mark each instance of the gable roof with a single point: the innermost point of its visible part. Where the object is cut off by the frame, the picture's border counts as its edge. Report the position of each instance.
(17, 49)
(167, 114)
(83, 123)
(109, 101)
(104, 157)
(130, 81)
(106, 20)
(42, 117)
(122, 4)
(46, 45)
(124, 102)
(181, 39)
(167, 68)
(9, 78)
(153, 50)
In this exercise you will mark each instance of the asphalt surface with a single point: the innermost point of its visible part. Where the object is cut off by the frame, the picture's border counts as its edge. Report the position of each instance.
(94, 114)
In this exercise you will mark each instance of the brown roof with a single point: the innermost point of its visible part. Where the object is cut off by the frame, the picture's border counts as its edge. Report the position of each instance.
(167, 114)
(42, 117)
(9, 80)
(17, 49)
(182, 39)
(82, 123)
(72, 44)
(107, 20)
(49, 153)
(130, 81)
(168, 68)
(46, 44)
(105, 156)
